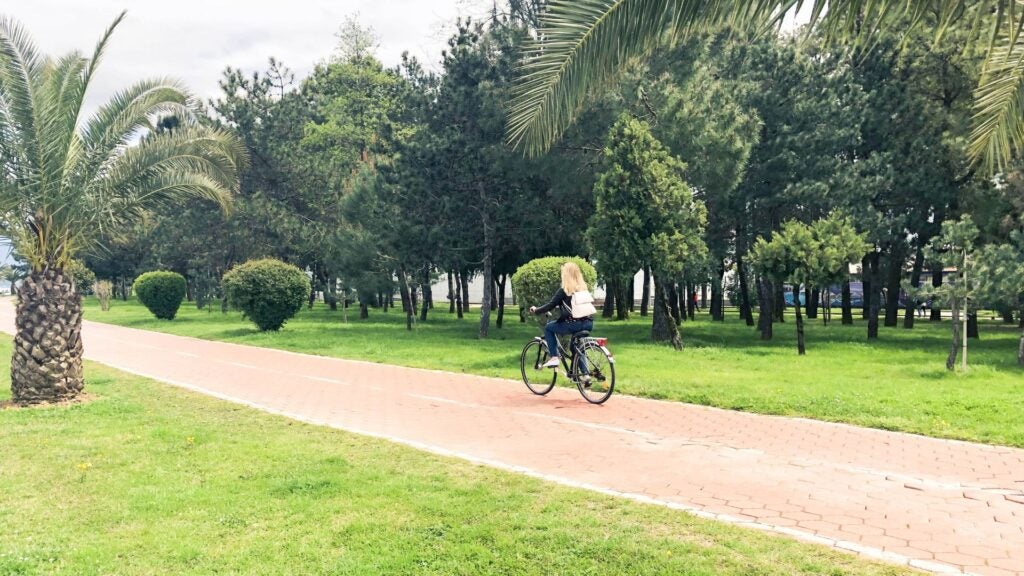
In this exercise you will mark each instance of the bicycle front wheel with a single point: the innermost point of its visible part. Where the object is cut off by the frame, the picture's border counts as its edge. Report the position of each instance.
(595, 372)
(539, 380)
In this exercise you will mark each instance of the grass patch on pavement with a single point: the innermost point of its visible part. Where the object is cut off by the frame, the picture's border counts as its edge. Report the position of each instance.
(150, 479)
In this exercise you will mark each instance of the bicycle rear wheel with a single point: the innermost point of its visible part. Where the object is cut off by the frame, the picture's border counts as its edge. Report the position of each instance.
(594, 368)
(539, 380)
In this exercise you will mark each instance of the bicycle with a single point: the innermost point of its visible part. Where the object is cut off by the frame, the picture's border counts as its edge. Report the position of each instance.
(591, 366)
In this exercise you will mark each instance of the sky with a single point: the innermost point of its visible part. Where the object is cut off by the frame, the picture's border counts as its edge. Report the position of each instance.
(194, 40)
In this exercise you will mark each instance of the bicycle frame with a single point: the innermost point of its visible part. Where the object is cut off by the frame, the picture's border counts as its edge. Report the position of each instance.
(565, 356)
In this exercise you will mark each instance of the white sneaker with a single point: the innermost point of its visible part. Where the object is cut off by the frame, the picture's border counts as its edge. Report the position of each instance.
(553, 362)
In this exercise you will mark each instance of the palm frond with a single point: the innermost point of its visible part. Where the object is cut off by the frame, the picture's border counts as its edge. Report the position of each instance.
(20, 66)
(57, 100)
(998, 131)
(133, 176)
(118, 122)
(582, 44)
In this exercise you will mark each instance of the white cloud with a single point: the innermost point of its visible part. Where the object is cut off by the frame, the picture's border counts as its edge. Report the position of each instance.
(194, 40)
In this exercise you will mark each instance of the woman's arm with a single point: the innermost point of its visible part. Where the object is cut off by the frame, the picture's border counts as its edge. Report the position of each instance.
(550, 305)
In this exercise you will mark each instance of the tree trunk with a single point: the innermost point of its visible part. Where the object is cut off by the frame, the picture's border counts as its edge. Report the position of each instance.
(663, 329)
(485, 300)
(1007, 315)
(873, 296)
(1020, 349)
(847, 304)
(344, 302)
(673, 297)
(427, 296)
(703, 296)
(631, 293)
(451, 294)
(826, 306)
(799, 321)
(608, 308)
(936, 312)
(622, 298)
(764, 308)
(915, 283)
(459, 297)
(646, 293)
(972, 325)
(46, 365)
(691, 305)
(332, 292)
(683, 293)
(745, 312)
(501, 300)
(813, 295)
(779, 307)
(892, 287)
(717, 293)
(407, 305)
(464, 276)
(955, 346)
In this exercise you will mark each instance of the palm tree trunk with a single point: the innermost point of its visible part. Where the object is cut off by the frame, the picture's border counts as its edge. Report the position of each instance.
(47, 362)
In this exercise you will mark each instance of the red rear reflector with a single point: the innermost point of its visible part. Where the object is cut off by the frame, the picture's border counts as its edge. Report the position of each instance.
(601, 341)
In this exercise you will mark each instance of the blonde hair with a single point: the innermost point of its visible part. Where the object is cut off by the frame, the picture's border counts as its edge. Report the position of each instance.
(572, 278)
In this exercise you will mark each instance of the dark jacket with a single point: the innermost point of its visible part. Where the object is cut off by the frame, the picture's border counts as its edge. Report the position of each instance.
(563, 302)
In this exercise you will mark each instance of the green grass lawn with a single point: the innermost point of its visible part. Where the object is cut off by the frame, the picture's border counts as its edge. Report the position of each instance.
(150, 479)
(898, 382)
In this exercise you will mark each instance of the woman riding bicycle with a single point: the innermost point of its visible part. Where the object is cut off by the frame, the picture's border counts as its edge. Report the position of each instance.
(572, 282)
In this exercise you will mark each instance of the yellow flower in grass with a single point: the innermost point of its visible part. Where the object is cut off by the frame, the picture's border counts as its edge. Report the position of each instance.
(83, 466)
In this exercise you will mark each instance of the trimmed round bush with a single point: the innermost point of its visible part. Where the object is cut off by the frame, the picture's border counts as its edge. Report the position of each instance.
(267, 291)
(536, 281)
(161, 293)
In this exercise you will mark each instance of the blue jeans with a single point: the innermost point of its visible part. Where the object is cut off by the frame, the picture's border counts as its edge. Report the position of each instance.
(571, 327)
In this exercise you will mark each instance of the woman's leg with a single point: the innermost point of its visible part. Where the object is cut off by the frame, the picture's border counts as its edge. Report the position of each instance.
(551, 339)
(553, 328)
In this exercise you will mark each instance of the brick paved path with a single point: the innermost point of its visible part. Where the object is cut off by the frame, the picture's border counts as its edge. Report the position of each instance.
(938, 505)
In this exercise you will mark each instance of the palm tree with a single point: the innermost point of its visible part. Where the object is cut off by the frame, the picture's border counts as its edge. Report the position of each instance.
(65, 179)
(581, 44)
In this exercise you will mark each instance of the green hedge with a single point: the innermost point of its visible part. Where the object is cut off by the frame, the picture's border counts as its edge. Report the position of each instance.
(267, 291)
(161, 293)
(535, 282)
